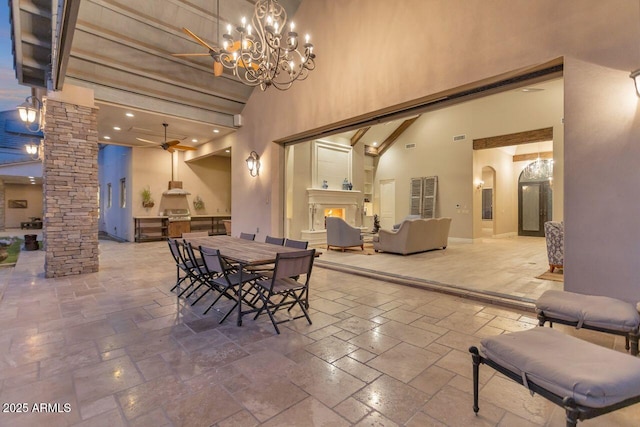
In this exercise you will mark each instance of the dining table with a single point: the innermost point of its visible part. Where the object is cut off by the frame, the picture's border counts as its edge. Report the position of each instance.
(243, 252)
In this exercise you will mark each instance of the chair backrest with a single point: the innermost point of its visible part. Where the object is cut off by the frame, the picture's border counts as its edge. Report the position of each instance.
(292, 264)
(211, 259)
(195, 234)
(174, 247)
(191, 257)
(298, 244)
(274, 240)
(247, 236)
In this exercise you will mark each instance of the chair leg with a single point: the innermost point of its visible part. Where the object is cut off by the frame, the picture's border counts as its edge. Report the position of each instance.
(475, 356)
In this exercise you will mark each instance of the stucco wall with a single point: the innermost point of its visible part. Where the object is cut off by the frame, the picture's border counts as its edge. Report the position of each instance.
(115, 164)
(426, 47)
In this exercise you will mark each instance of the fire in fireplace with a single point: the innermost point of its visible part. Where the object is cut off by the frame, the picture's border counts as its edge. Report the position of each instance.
(339, 212)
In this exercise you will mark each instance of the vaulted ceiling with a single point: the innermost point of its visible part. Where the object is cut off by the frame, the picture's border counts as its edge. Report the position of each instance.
(122, 49)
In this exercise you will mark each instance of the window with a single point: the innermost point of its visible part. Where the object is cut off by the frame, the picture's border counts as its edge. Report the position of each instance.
(108, 195)
(487, 203)
(123, 193)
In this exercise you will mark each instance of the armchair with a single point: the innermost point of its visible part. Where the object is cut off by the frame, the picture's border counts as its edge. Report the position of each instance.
(554, 233)
(341, 235)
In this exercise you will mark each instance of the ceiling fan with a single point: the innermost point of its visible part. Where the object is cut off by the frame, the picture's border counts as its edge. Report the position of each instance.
(215, 54)
(169, 146)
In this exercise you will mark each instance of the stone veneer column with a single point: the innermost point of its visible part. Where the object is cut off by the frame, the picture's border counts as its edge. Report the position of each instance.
(2, 206)
(70, 175)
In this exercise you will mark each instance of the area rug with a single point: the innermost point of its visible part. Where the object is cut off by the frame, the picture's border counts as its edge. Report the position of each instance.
(555, 276)
(9, 250)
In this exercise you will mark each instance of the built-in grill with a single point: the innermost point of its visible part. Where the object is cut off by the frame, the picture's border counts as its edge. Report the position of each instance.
(177, 215)
(179, 221)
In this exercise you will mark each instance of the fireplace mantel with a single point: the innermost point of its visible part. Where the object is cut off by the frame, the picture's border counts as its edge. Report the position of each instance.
(320, 199)
(326, 196)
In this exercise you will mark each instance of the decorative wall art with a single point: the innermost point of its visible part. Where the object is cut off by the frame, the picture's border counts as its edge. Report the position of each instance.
(17, 204)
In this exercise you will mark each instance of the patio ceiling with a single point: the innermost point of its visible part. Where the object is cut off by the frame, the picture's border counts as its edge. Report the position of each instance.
(122, 50)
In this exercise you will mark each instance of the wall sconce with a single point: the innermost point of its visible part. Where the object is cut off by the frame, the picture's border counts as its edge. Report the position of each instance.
(635, 75)
(479, 183)
(253, 163)
(29, 111)
(34, 150)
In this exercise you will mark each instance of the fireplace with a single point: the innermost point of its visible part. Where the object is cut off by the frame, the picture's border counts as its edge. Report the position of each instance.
(346, 204)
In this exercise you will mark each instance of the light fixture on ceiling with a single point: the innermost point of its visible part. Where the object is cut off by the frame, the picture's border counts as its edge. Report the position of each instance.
(635, 75)
(253, 163)
(34, 150)
(265, 53)
(30, 112)
(538, 170)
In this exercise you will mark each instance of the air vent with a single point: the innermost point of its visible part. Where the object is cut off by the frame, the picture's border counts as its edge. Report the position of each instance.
(459, 137)
(410, 146)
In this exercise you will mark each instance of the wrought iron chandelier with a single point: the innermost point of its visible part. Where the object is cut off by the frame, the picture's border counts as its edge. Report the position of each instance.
(266, 52)
(539, 170)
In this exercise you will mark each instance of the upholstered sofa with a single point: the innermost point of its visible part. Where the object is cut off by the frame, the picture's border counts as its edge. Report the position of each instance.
(342, 235)
(414, 235)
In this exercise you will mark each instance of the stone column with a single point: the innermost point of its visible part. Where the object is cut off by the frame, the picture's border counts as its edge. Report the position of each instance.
(70, 172)
(2, 206)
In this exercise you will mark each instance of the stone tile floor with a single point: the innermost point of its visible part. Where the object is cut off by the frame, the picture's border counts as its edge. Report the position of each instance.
(117, 348)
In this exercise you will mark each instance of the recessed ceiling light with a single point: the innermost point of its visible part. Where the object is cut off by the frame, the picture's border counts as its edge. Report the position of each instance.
(216, 131)
(227, 151)
(194, 140)
(106, 137)
(129, 115)
(532, 89)
(116, 128)
(375, 144)
(30, 177)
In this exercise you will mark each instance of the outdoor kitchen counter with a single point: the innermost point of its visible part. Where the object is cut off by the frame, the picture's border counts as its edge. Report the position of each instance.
(149, 228)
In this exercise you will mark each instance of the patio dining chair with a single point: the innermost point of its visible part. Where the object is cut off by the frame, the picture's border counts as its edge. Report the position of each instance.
(185, 269)
(201, 276)
(223, 278)
(282, 290)
(274, 240)
(298, 244)
(247, 236)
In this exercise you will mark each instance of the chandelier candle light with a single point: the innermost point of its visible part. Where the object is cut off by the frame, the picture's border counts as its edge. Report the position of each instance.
(265, 52)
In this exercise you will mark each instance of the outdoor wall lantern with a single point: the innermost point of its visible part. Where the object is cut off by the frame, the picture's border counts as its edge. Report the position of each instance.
(635, 75)
(253, 163)
(34, 150)
(30, 110)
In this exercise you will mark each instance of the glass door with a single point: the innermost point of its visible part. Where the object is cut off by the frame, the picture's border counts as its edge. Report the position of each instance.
(534, 207)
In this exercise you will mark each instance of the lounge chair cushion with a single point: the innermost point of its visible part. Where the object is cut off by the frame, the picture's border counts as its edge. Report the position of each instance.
(592, 375)
(598, 311)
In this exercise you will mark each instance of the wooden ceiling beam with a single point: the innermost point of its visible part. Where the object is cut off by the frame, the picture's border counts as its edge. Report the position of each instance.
(547, 155)
(387, 143)
(527, 137)
(359, 134)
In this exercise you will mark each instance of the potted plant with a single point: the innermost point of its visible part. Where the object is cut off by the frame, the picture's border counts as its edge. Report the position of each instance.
(147, 200)
(198, 203)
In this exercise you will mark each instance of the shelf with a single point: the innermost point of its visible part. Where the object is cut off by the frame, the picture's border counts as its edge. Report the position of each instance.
(150, 229)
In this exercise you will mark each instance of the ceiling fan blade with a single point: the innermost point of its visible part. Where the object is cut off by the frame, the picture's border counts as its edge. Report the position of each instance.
(172, 142)
(218, 69)
(190, 54)
(198, 39)
(183, 147)
(146, 140)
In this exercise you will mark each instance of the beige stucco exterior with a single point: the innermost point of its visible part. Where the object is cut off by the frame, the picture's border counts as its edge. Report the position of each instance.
(375, 54)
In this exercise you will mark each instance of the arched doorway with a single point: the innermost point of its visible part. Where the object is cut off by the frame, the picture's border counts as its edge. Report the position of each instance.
(535, 198)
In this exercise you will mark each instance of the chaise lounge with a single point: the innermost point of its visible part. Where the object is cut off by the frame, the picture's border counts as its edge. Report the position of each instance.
(587, 380)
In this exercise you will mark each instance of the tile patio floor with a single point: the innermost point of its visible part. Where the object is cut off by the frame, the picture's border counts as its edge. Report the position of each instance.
(122, 350)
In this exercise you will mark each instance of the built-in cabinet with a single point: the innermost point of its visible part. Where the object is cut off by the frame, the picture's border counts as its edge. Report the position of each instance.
(149, 229)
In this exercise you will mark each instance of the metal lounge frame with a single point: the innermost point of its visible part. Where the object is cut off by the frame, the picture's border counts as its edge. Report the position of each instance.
(573, 411)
